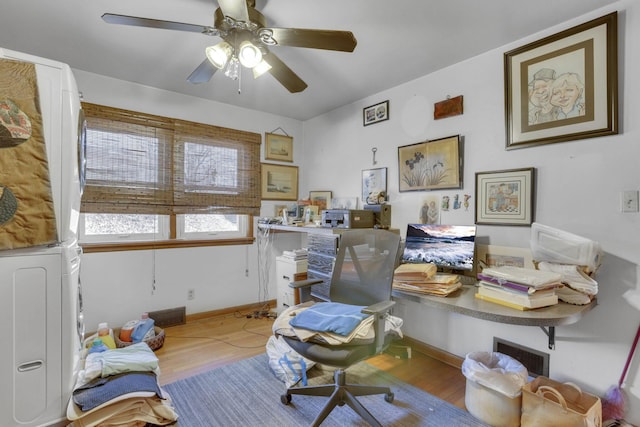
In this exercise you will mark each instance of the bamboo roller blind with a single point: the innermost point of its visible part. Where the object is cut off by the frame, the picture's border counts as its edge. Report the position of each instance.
(140, 163)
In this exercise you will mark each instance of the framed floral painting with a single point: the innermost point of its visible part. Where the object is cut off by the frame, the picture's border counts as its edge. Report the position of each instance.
(431, 165)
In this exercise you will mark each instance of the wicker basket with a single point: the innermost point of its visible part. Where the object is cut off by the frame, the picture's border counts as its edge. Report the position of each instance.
(154, 343)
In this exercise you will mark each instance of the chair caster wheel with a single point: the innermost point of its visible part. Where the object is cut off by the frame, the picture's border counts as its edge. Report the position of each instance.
(285, 399)
(389, 397)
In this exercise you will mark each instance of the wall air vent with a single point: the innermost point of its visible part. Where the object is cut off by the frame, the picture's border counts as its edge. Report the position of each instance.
(536, 362)
(169, 317)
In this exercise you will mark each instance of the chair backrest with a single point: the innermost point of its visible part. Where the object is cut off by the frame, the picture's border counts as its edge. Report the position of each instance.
(363, 271)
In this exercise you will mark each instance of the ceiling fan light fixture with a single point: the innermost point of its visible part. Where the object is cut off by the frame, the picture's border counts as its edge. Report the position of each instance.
(249, 54)
(260, 69)
(219, 54)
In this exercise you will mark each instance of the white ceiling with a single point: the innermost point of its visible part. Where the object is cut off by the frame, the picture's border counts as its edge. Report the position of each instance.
(398, 41)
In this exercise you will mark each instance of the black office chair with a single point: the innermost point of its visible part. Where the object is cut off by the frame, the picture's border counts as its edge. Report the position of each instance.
(362, 275)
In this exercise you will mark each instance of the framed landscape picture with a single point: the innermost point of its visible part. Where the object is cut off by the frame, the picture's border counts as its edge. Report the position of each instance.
(278, 147)
(497, 256)
(563, 87)
(279, 182)
(321, 199)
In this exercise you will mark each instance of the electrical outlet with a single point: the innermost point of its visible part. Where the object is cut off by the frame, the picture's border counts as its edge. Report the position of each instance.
(629, 201)
(191, 294)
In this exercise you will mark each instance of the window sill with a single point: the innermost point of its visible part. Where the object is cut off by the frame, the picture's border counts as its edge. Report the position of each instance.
(88, 248)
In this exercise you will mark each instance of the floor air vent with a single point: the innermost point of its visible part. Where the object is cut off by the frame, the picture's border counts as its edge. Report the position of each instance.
(169, 317)
(536, 362)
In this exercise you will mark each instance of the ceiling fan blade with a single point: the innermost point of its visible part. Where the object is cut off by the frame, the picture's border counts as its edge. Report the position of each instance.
(157, 23)
(236, 9)
(317, 39)
(284, 74)
(203, 73)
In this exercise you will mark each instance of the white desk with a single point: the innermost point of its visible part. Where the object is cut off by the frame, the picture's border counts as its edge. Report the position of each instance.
(463, 301)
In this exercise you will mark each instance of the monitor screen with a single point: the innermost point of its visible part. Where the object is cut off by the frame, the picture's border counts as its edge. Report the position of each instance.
(446, 246)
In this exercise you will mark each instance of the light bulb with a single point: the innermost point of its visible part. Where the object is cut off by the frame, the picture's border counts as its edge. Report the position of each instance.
(249, 54)
(219, 54)
(260, 69)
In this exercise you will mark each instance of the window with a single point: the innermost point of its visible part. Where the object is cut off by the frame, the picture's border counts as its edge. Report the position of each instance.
(152, 178)
(211, 226)
(103, 227)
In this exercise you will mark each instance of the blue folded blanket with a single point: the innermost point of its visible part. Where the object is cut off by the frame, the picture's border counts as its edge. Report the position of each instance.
(102, 390)
(330, 317)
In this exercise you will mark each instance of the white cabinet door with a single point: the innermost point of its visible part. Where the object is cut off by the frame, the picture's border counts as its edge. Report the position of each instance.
(30, 326)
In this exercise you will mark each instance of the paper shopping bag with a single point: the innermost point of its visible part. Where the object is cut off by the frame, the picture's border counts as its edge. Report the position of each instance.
(549, 403)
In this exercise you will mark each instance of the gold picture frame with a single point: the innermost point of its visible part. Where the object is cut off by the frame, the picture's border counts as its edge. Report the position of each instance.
(563, 87)
(431, 165)
(278, 147)
(279, 182)
(505, 197)
(321, 199)
(498, 256)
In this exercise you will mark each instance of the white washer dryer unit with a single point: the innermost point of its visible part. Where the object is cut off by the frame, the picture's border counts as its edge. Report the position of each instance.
(41, 322)
(63, 127)
(41, 319)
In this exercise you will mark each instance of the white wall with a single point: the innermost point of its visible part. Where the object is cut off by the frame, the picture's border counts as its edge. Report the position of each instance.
(119, 286)
(578, 189)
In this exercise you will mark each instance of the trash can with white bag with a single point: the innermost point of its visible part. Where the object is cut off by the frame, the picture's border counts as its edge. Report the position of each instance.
(494, 387)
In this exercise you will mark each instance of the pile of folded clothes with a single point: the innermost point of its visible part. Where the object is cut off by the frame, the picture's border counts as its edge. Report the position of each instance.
(330, 322)
(424, 279)
(120, 387)
(576, 258)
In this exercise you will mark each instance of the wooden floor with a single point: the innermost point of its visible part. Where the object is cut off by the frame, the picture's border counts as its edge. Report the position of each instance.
(203, 344)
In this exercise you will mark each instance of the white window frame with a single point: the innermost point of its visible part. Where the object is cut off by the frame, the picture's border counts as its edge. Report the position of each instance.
(162, 234)
(243, 229)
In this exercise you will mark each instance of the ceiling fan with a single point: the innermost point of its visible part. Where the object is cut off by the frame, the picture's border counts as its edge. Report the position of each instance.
(246, 40)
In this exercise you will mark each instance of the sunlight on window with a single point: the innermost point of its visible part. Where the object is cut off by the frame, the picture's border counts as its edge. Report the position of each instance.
(203, 223)
(97, 224)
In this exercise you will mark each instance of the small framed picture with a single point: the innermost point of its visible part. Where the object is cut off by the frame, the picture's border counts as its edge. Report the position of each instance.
(279, 182)
(505, 197)
(375, 113)
(321, 199)
(497, 256)
(278, 147)
(374, 181)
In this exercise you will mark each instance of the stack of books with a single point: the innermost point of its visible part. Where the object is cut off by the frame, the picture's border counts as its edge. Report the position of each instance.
(296, 254)
(424, 279)
(519, 288)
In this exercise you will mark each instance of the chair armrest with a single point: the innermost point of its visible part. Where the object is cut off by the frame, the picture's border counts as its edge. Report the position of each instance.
(379, 311)
(304, 283)
(304, 288)
(379, 307)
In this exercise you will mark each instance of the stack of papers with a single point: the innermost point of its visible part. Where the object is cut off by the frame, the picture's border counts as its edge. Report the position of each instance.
(296, 254)
(423, 279)
(579, 289)
(519, 288)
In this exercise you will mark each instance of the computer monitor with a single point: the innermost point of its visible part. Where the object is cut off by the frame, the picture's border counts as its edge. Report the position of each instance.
(449, 247)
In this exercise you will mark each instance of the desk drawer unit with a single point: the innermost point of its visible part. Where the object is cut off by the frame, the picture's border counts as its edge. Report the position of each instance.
(287, 271)
(323, 244)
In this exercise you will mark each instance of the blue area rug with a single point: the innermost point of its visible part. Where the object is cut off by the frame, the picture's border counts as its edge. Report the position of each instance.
(247, 393)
